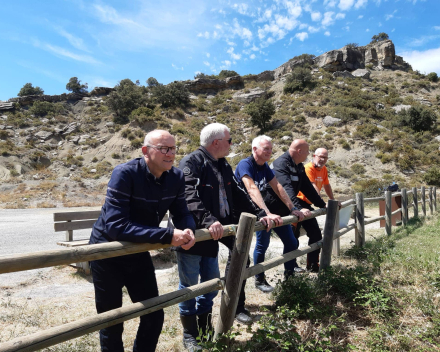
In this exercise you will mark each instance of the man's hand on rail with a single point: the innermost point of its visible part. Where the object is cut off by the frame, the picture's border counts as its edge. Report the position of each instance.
(184, 238)
(216, 230)
(306, 212)
(298, 213)
(272, 217)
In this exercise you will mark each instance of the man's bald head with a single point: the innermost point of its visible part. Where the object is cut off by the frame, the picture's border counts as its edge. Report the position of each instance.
(154, 136)
(299, 150)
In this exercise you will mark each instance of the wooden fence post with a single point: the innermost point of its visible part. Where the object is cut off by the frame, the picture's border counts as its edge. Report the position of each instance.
(434, 190)
(430, 202)
(329, 229)
(359, 218)
(423, 201)
(404, 207)
(336, 250)
(234, 280)
(388, 222)
(416, 203)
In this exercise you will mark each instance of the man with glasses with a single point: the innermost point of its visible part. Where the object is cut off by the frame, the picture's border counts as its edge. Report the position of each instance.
(318, 175)
(258, 178)
(139, 194)
(214, 198)
(290, 172)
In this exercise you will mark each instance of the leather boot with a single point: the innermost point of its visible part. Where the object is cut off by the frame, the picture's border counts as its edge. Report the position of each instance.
(190, 333)
(206, 331)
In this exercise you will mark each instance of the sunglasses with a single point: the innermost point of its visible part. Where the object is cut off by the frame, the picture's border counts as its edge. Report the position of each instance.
(229, 140)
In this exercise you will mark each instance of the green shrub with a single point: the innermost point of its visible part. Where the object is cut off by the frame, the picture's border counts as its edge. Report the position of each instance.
(432, 176)
(260, 111)
(126, 97)
(298, 80)
(379, 37)
(344, 144)
(366, 131)
(432, 77)
(43, 108)
(372, 187)
(28, 89)
(172, 95)
(116, 156)
(137, 143)
(418, 118)
(142, 115)
(358, 169)
(74, 85)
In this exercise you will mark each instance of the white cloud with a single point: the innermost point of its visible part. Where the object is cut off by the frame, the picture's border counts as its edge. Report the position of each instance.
(230, 43)
(360, 17)
(328, 18)
(73, 40)
(234, 56)
(267, 14)
(437, 28)
(313, 29)
(390, 16)
(347, 28)
(176, 67)
(226, 64)
(360, 3)
(303, 25)
(254, 48)
(252, 56)
(206, 63)
(285, 22)
(316, 16)
(208, 54)
(273, 29)
(424, 39)
(294, 9)
(241, 8)
(242, 32)
(367, 30)
(327, 33)
(204, 35)
(302, 36)
(330, 3)
(340, 16)
(345, 5)
(64, 53)
(424, 61)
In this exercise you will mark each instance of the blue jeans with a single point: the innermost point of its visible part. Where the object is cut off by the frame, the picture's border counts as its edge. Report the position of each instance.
(136, 273)
(285, 233)
(190, 267)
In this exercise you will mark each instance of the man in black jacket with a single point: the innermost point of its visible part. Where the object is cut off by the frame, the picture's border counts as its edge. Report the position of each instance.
(214, 198)
(291, 174)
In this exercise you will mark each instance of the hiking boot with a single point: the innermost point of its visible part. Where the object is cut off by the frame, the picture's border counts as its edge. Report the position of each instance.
(244, 317)
(263, 285)
(298, 270)
(313, 268)
(190, 333)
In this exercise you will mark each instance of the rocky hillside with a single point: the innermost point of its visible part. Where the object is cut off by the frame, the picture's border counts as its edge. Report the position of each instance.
(376, 116)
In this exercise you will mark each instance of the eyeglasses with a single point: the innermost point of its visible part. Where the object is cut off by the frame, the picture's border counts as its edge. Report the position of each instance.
(165, 150)
(229, 140)
(321, 157)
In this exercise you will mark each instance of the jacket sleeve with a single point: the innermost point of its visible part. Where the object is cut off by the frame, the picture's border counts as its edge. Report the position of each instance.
(192, 172)
(284, 178)
(243, 201)
(116, 213)
(310, 192)
(182, 218)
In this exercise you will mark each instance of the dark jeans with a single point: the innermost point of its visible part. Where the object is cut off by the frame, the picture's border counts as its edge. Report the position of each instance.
(313, 233)
(229, 242)
(136, 273)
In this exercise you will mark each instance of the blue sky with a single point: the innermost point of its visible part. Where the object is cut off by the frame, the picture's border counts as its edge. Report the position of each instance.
(102, 42)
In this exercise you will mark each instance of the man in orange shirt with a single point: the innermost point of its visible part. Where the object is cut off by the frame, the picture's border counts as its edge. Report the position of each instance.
(317, 173)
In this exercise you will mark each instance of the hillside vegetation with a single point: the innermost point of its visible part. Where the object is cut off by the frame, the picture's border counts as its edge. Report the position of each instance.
(62, 153)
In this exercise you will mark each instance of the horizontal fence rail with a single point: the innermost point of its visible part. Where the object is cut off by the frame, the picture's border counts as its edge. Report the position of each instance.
(86, 325)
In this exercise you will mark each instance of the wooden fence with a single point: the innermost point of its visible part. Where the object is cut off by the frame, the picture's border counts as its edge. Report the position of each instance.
(231, 286)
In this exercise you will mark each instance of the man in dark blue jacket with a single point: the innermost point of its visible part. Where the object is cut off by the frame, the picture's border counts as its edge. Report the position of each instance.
(139, 194)
(215, 198)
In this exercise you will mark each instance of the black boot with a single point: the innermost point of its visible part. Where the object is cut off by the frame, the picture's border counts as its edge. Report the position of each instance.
(190, 333)
(206, 331)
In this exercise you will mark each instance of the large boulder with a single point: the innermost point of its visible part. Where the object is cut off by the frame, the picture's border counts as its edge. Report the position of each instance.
(289, 66)
(343, 74)
(212, 86)
(362, 73)
(399, 108)
(43, 135)
(250, 96)
(331, 121)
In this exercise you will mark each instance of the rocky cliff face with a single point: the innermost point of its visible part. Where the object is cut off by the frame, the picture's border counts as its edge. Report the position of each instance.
(289, 66)
(381, 55)
(212, 86)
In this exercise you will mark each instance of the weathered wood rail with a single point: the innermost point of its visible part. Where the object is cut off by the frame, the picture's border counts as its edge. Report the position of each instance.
(244, 232)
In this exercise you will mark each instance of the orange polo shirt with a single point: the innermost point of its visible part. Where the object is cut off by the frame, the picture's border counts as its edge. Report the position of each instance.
(318, 177)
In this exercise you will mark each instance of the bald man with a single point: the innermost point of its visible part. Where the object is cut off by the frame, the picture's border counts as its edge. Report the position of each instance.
(139, 194)
(290, 173)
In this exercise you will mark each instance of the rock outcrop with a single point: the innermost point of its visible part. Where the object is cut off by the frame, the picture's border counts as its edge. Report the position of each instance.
(289, 66)
(212, 86)
(261, 77)
(29, 99)
(250, 96)
(381, 54)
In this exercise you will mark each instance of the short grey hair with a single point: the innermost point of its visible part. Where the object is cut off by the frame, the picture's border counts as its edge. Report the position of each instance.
(257, 140)
(211, 132)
